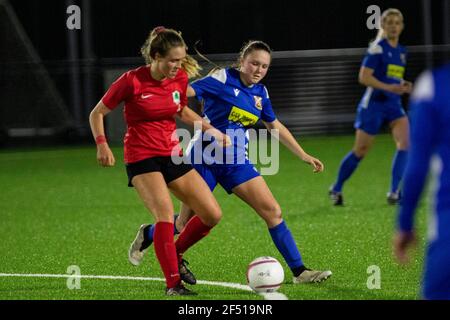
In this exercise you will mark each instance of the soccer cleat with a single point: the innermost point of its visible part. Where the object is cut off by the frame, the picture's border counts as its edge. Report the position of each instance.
(393, 197)
(336, 197)
(311, 276)
(139, 246)
(179, 290)
(185, 274)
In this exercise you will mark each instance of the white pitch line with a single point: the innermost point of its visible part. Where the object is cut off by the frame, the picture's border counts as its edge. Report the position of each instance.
(43, 275)
(211, 283)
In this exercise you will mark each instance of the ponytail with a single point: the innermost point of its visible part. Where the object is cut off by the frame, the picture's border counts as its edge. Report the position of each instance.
(161, 40)
(191, 66)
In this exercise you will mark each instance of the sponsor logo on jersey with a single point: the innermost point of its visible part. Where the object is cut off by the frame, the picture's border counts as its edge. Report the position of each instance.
(242, 117)
(145, 96)
(176, 97)
(395, 71)
(236, 92)
(258, 102)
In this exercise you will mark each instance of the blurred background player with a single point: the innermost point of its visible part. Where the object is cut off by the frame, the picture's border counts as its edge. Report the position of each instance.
(235, 100)
(154, 94)
(430, 147)
(382, 72)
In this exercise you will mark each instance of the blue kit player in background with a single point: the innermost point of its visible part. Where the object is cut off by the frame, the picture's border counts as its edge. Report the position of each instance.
(382, 72)
(235, 100)
(430, 148)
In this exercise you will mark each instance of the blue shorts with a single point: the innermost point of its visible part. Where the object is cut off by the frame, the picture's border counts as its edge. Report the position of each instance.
(436, 279)
(370, 118)
(227, 176)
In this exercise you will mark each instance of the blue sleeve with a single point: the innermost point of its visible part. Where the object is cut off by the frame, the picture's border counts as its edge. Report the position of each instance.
(423, 135)
(210, 85)
(373, 58)
(267, 113)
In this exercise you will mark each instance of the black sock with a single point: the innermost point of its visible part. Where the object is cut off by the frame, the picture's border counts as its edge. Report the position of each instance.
(297, 271)
(147, 242)
(175, 230)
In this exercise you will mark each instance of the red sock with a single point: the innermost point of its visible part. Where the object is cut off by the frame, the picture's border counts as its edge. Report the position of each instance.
(166, 252)
(194, 231)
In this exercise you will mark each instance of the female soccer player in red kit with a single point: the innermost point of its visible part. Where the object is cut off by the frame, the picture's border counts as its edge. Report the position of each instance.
(153, 95)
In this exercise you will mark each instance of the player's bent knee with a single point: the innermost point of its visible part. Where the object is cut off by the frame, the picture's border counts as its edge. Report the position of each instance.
(273, 215)
(212, 217)
(211, 220)
(277, 214)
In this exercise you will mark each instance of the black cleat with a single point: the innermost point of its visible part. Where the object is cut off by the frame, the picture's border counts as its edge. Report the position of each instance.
(336, 197)
(185, 274)
(393, 198)
(179, 290)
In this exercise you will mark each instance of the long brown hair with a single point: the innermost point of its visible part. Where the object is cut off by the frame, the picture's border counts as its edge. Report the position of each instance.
(161, 40)
(246, 49)
(250, 46)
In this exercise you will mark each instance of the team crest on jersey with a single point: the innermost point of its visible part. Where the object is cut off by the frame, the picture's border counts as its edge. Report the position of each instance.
(258, 102)
(176, 97)
(403, 58)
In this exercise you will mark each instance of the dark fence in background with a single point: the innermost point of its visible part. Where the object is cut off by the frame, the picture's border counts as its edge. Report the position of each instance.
(313, 92)
(317, 91)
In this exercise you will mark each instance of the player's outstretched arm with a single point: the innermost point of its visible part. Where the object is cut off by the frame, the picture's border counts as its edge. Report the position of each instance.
(188, 116)
(423, 136)
(291, 143)
(105, 156)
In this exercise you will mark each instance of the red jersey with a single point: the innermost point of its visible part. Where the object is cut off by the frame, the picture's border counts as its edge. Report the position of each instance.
(150, 107)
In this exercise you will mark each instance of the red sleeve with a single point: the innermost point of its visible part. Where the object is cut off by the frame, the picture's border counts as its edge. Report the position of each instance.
(120, 90)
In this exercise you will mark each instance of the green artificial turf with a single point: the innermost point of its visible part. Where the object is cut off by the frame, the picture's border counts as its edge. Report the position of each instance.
(59, 208)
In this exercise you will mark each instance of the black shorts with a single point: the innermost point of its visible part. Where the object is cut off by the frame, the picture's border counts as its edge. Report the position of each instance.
(165, 165)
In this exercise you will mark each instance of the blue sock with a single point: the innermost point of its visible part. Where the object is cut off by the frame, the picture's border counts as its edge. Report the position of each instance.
(285, 243)
(348, 166)
(398, 167)
(151, 230)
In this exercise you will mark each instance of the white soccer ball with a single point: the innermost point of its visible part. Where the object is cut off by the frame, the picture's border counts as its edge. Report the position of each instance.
(265, 274)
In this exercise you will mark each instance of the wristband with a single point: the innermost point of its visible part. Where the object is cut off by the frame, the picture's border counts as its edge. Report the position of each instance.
(100, 139)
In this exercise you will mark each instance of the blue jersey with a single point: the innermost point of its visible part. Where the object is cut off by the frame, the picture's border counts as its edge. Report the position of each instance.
(231, 107)
(389, 65)
(430, 147)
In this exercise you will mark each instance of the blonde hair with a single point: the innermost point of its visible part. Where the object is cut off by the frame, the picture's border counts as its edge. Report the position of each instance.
(161, 40)
(384, 15)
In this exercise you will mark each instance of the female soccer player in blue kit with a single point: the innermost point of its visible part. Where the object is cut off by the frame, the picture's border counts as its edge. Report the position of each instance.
(382, 73)
(430, 142)
(235, 100)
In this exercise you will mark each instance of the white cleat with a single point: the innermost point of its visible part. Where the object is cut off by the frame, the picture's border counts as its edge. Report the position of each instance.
(136, 253)
(393, 197)
(312, 276)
